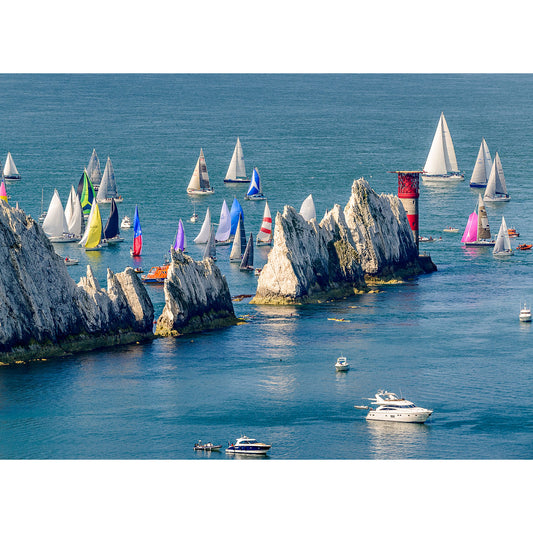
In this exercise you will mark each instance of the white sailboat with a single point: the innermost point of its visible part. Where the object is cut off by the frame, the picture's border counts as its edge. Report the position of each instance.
(108, 186)
(239, 243)
(441, 164)
(222, 235)
(199, 183)
(307, 210)
(203, 236)
(481, 172)
(10, 171)
(93, 170)
(55, 224)
(503, 247)
(237, 170)
(73, 214)
(496, 190)
(264, 237)
(210, 248)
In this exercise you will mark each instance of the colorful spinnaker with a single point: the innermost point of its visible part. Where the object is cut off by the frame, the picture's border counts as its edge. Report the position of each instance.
(3, 191)
(137, 235)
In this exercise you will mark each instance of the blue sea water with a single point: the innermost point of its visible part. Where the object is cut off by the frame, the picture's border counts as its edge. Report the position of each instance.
(450, 341)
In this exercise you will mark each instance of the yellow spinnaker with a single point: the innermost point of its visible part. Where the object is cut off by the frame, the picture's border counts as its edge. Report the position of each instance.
(95, 229)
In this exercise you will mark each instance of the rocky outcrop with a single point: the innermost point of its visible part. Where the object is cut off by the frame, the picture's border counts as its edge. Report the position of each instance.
(43, 312)
(369, 239)
(197, 297)
(308, 261)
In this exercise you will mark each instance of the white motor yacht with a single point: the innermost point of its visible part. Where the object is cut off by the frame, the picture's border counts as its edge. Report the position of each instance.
(390, 408)
(525, 314)
(248, 446)
(126, 223)
(342, 364)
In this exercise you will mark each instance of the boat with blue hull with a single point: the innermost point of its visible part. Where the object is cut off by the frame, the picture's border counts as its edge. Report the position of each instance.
(245, 445)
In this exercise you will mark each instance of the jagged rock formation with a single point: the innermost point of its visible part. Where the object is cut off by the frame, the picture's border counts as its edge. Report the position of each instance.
(43, 312)
(197, 297)
(370, 239)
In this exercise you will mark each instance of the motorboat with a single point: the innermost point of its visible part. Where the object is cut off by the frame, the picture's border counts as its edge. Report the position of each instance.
(70, 261)
(207, 447)
(157, 274)
(525, 314)
(245, 445)
(342, 364)
(449, 229)
(390, 408)
(126, 223)
(524, 247)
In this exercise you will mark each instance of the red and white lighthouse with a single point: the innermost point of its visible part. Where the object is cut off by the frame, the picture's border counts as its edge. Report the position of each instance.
(408, 193)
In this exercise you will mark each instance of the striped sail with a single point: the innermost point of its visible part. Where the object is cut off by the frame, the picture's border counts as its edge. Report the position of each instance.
(265, 233)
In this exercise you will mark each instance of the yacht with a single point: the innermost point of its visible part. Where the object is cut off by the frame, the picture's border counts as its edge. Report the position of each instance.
(342, 364)
(207, 447)
(525, 314)
(393, 409)
(248, 446)
(126, 223)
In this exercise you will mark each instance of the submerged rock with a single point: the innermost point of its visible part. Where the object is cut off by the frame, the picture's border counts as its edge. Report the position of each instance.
(369, 239)
(197, 297)
(43, 312)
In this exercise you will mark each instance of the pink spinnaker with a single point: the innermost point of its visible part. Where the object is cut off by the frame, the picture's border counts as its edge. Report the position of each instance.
(470, 234)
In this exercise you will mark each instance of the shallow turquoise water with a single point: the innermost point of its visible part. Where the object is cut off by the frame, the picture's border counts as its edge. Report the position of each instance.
(450, 341)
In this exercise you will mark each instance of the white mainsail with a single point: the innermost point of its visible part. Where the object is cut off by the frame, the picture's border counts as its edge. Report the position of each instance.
(73, 213)
(482, 168)
(203, 236)
(224, 224)
(235, 255)
(93, 169)
(237, 168)
(307, 210)
(108, 185)
(441, 159)
(496, 190)
(55, 224)
(265, 232)
(200, 178)
(10, 169)
(503, 242)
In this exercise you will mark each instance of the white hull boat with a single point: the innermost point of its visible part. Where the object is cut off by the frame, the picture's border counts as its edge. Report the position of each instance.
(342, 365)
(247, 446)
(525, 314)
(390, 408)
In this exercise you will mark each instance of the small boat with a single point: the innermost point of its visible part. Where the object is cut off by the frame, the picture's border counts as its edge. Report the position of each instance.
(449, 229)
(93, 170)
(502, 248)
(249, 446)
(108, 186)
(157, 274)
(126, 223)
(525, 314)
(496, 190)
(425, 239)
(441, 163)
(222, 235)
(482, 168)
(70, 261)
(199, 183)
(258, 271)
(339, 319)
(342, 364)
(207, 447)
(137, 235)
(10, 171)
(194, 216)
(255, 191)
(264, 237)
(477, 231)
(524, 246)
(247, 263)
(307, 209)
(237, 170)
(138, 270)
(390, 408)
(513, 233)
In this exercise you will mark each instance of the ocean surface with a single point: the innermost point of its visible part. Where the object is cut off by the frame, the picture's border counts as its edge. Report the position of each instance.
(450, 341)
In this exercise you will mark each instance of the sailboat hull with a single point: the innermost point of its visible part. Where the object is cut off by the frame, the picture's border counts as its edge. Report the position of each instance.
(118, 200)
(498, 199)
(478, 185)
(255, 197)
(237, 180)
(442, 178)
(264, 243)
(11, 178)
(479, 243)
(200, 191)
